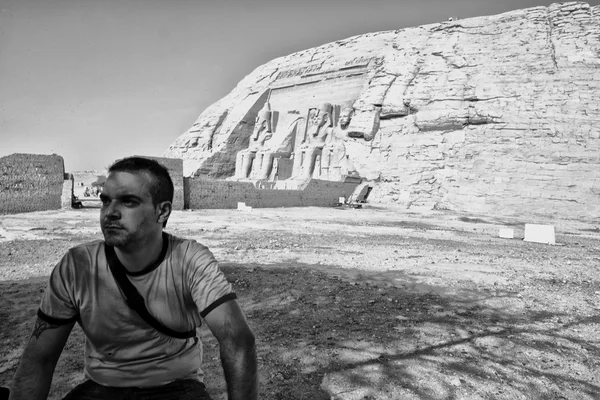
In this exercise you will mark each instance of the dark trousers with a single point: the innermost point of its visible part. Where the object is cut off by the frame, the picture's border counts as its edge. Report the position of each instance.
(185, 389)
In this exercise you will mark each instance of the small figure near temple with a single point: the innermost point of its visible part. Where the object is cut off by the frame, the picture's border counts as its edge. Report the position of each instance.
(75, 203)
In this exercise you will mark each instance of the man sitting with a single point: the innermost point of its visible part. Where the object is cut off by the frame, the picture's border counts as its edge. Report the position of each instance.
(176, 282)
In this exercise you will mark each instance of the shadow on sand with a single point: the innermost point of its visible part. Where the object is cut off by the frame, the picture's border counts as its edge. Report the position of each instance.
(348, 335)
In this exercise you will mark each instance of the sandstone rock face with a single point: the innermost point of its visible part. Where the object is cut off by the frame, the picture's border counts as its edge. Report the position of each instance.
(495, 114)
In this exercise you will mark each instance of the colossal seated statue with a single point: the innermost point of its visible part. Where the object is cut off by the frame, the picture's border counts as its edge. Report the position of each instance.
(320, 126)
(261, 133)
(279, 145)
(334, 161)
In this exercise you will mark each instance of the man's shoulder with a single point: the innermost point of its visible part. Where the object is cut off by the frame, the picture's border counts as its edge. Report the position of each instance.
(189, 249)
(82, 258)
(92, 246)
(185, 243)
(86, 251)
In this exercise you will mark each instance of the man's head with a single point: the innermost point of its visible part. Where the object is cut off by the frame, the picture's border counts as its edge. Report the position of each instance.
(136, 201)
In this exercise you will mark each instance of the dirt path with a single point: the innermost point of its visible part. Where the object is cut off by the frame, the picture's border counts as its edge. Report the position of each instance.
(364, 303)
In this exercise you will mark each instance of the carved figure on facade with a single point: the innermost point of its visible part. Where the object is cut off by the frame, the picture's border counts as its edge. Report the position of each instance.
(320, 125)
(335, 163)
(280, 145)
(263, 129)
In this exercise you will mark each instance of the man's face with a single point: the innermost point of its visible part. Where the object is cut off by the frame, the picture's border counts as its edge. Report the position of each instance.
(128, 217)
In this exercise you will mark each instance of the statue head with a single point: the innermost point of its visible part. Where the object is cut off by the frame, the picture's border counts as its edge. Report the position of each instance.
(320, 118)
(345, 116)
(263, 122)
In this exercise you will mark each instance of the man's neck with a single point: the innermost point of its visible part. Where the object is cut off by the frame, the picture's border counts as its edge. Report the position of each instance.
(138, 259)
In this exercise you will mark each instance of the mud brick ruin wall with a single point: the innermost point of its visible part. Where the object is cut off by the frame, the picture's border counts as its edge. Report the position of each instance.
(496, 114)
(207, 193)
(175, 167)
(31, 182)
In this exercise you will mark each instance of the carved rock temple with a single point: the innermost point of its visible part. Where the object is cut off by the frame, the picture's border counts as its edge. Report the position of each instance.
(495, 114)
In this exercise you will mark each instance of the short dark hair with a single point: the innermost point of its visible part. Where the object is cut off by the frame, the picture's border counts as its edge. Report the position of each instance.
(161, 188)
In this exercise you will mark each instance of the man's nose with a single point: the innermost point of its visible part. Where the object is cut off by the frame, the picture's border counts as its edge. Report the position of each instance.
(112, 211)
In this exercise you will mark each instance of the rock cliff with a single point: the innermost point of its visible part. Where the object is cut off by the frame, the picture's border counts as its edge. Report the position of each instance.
(496, 114)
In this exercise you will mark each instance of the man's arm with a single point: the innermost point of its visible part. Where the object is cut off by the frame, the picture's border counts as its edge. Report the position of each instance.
(238, 353)
(34, 374)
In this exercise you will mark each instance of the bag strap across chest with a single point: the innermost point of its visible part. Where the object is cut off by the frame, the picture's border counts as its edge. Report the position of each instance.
(134, 299)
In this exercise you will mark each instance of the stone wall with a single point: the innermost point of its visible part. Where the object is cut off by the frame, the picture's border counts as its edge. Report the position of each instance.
(175, 167)
(493, 114)
(209, 193)
(31, 182)
(66, 197)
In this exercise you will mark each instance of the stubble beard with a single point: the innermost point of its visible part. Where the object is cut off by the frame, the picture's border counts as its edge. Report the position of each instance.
(127, 239)
(117, 238)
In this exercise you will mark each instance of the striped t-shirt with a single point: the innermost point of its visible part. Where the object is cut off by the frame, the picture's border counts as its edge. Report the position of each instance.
(121, 348)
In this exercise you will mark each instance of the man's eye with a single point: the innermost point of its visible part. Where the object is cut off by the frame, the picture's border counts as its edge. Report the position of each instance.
(129, 203)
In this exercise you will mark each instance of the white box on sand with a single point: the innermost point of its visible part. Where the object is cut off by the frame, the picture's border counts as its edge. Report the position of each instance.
(506, 233)
(539, 233)
(243, 207)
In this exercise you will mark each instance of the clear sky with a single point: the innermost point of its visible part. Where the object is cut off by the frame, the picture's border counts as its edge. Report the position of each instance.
(97, 80)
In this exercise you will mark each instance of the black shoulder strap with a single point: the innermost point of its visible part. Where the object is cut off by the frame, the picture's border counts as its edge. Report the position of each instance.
(133, 298)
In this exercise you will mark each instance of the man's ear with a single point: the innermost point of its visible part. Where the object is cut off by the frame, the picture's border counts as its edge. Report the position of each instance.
(164, 209)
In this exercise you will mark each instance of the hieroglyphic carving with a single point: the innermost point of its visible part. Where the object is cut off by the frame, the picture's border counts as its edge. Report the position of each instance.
(298, 71)
(362, 61)
(317, 69)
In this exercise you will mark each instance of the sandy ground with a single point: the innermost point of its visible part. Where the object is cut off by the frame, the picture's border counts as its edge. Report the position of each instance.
(371, 303)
